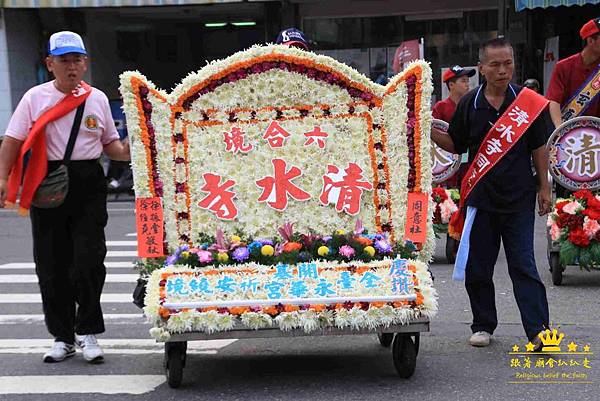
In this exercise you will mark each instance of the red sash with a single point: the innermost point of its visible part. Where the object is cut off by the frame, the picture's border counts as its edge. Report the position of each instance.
(507, 131)
(37, 166)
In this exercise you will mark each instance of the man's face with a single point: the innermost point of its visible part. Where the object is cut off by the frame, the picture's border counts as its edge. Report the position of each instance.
(460, 86)
(497, 66)
(68, 69)
(594, 43)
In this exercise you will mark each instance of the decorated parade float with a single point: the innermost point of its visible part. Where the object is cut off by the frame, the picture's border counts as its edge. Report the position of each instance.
(574, 224)
(282, 193)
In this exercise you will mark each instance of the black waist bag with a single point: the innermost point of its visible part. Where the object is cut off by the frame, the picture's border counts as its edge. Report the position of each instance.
(53, 190)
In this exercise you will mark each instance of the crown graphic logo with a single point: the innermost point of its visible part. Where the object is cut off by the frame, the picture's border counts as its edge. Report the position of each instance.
(551, 340)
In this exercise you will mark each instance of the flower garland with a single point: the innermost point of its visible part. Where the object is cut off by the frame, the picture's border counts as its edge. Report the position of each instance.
(308, 317)
(575, 226)
(445, 204)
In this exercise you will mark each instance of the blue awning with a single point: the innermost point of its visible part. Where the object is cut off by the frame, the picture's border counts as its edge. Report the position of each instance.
(521, 5)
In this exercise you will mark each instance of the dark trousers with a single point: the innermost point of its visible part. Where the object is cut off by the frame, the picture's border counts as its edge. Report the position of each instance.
(516, 232)
(69, 249)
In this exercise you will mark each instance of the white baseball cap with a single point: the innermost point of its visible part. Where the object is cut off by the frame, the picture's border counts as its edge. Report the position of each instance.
(65, 42)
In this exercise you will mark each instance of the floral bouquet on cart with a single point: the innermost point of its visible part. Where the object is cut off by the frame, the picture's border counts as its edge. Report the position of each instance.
(444, 201)
(280, 188)
(575, 226)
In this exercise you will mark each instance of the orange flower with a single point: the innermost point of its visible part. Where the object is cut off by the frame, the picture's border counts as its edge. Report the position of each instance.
(238, 310)
(419, 298)
(378, 304)
(292, 246)
(271, 310)
(317, 308)
(164, 312)
(291, 308)
(364, 241)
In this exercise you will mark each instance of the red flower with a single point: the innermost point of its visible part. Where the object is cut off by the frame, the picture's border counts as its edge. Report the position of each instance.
(569, 220)
(583, 194)
(579, 237)
(559, 206)
(592, 213)
(439, 195)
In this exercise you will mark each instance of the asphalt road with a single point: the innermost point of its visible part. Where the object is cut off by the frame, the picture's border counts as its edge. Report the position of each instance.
(308, 368)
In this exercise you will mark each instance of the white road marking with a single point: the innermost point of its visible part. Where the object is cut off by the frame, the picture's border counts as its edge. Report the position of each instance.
(71, 384)
(113, 346)
(118, 254)
(114, 318)
(121, 243)
(36, 298)
(31, 265)
(32, 278)
(131, 235)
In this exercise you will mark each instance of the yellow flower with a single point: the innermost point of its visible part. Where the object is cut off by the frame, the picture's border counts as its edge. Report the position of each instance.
(340, 232)
(323, 250)
(267, 250)
(222, 257)
(235, 238)
(185, 254)
(369, 250)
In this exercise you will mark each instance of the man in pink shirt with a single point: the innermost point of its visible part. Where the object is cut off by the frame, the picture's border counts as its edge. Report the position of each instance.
(68, 240)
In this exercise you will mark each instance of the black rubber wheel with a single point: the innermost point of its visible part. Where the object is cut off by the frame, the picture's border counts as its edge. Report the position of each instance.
(174, 362)
(404, 354)
(417, 342)
(385, 339)
(451, 249)
(556, 268)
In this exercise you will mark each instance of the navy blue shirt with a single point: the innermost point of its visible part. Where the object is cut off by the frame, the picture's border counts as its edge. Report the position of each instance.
(509, 186)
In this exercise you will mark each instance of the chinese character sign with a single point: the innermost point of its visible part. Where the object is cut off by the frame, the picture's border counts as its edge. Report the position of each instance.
(416, 220)
(273, 135)
(149, 222)
(575, 153)
(304, 280)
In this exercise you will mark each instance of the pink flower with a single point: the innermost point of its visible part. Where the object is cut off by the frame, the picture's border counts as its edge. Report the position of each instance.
(446, 209)
(572, 207)
(590, 227)
(346, 251)
(204, 256)
(554, 232)
(550, 220)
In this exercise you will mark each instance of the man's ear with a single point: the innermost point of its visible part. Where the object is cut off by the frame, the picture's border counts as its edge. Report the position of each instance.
(48, 62)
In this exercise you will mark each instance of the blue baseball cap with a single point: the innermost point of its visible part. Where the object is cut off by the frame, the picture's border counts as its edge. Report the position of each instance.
(65, 42)
(291, 37)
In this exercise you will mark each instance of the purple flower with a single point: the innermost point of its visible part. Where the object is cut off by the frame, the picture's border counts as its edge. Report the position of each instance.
(327, 238)
(241, 254)
(264, 241)
(346, 251)
(383, 246)
(171, 260)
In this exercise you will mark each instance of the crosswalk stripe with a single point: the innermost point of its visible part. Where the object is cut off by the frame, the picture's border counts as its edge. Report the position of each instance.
(121, 243)
(113, 346)
(32, 278)
(20, 298)
(31, 265)
(110, 317)
(117, 254)
(80, 384)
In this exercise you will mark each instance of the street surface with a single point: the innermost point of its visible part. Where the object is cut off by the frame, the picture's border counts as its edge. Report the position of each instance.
(309, 368)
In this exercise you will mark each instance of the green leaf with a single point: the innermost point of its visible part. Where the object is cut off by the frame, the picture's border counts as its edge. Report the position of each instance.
(595, 252)
(568, 253)
(585, 259)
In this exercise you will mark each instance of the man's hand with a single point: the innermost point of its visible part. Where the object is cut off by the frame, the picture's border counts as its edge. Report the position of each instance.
(544, 200)
(117, 150)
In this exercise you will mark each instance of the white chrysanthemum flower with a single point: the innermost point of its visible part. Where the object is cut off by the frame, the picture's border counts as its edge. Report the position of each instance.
(356, 318)
(256, 320)
(225, 321)
(288, 320)
(342, 318)
(309, 320)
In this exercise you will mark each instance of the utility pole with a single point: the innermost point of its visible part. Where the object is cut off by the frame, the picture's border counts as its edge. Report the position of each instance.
(501, 17)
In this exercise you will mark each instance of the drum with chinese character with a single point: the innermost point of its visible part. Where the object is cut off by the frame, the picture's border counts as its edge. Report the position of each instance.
(574, 149)
(445, 164)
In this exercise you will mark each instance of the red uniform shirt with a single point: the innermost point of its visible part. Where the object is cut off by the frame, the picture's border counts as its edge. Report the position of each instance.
(444, 110)
(568, 76)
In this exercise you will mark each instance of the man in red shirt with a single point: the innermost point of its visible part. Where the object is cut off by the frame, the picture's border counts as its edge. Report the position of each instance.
(570, 74)
(457, 80)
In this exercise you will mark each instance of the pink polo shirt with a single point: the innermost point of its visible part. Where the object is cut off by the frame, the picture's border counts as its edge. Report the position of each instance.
(97, 127)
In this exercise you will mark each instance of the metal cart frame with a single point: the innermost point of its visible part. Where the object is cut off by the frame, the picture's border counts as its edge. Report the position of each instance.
(404, 339)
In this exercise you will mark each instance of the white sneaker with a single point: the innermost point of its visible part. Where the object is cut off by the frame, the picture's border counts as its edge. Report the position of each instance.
(59, 352)
(91, 350)
(480, 339)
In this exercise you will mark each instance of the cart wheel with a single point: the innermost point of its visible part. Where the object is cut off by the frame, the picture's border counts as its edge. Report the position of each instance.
(174, 362)
(417, 342)
(404, 354)
(451, 248)
(385, 339)
(556, 268)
